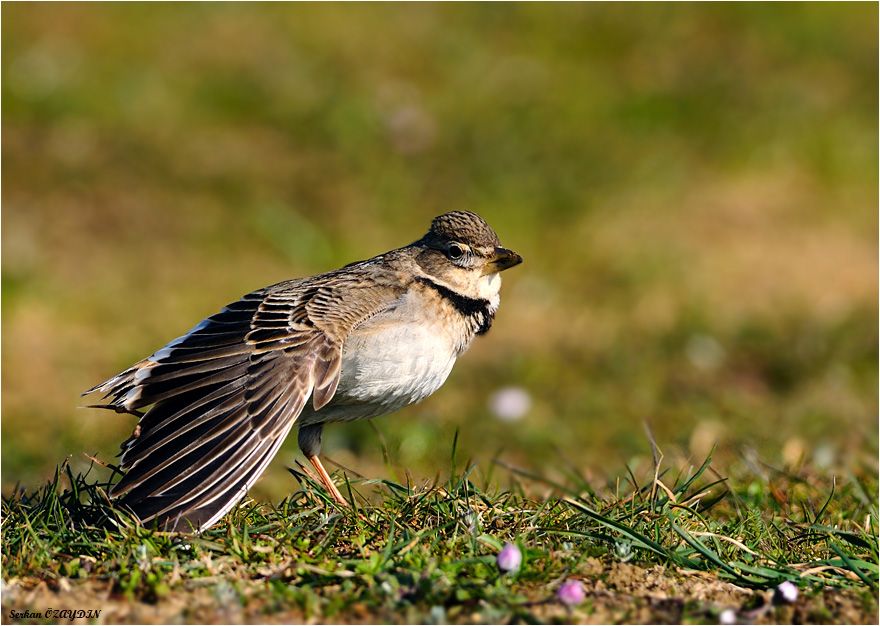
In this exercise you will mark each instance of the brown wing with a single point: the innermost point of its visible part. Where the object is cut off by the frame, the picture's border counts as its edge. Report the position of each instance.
(223, 397)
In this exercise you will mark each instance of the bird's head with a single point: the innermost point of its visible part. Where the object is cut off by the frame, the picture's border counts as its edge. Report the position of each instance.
(462, 251)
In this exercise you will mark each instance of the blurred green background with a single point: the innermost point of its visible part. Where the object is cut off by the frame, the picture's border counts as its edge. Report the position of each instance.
(693, 187)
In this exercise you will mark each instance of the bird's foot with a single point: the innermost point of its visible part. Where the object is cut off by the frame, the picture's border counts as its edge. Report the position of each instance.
(324, 479)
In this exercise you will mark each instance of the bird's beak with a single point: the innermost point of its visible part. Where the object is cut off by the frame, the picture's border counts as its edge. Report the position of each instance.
(502, 260)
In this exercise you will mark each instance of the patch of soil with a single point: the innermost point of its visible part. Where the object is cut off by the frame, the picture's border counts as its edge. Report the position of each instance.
(615, 593)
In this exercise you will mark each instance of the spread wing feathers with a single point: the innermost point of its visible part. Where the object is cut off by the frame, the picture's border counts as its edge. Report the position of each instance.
(221, 399)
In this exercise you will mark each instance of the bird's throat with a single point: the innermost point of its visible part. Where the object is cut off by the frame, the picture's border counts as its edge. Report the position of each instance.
(478, 311)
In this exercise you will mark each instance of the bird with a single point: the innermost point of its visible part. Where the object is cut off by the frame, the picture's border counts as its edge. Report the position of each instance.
(215, 405)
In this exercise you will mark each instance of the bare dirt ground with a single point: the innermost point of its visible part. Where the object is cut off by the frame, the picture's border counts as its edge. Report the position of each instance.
(622, 593)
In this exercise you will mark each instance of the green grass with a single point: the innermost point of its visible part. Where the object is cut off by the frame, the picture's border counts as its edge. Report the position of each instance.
(426, 553)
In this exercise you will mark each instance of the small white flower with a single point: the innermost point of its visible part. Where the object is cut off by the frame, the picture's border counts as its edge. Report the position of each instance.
(727, 616)
(510, 404)
(786, 593)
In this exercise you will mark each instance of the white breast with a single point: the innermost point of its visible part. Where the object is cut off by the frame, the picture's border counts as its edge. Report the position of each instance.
(395, 366)
(391, 362)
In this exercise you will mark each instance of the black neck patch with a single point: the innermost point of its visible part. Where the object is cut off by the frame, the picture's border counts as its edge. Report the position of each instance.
(476, 310)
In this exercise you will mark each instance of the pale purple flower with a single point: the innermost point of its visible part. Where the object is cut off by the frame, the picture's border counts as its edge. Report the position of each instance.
(727, 616)
(571, 593)
(509, 559)
(786, 593)
(510, 404)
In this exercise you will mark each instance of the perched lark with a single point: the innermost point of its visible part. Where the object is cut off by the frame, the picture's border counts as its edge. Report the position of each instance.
(362, 341)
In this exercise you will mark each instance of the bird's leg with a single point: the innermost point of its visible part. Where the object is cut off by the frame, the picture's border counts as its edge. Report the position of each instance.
(305, 470)
(325, 480)
(310, 444)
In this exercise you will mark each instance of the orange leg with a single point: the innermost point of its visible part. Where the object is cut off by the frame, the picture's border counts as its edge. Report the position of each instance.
(325, 480)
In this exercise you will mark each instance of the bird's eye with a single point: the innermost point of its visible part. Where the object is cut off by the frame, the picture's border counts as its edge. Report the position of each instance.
(455, 251)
